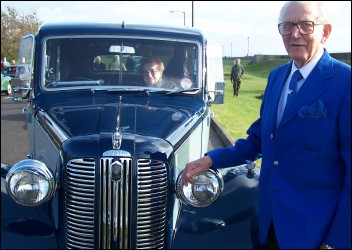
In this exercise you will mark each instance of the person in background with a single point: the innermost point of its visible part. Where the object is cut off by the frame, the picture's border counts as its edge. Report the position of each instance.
(152, 71)
(130, 63)
(236, 75)
(13, 62)
(7, 63)
(115, 65)
(305, 179)
(98, 64)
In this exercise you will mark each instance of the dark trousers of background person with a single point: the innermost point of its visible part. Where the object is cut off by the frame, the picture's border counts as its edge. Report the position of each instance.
(236, 87)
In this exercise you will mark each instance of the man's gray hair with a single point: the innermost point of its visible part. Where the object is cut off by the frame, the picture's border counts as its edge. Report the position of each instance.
(321, 7)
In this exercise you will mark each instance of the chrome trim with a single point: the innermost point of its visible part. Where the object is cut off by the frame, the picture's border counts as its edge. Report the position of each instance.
(114, 223)
(79, 203)
(117, 214)
(61, 135)
(152, 189)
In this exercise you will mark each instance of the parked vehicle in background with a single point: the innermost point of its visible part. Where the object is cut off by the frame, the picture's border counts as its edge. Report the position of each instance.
(20, 76)
(10, 71)
(6, 84)
(107, 151)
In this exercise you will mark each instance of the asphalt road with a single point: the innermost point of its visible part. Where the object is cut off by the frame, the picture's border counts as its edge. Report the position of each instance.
(14, 136)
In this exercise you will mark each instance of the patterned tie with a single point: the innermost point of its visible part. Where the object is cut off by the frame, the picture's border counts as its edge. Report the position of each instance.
(293, 86)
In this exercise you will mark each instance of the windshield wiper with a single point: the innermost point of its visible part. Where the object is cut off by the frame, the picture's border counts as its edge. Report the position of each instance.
(183, 91)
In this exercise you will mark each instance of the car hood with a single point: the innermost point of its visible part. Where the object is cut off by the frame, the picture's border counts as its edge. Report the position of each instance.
(146, 120)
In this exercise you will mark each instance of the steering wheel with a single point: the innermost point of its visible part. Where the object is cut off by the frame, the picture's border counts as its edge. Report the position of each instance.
(170, 85)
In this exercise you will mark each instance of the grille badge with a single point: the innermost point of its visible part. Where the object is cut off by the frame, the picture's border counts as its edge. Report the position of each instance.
(116, 169)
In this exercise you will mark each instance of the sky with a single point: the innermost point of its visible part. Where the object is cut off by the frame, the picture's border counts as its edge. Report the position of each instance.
(240, 27)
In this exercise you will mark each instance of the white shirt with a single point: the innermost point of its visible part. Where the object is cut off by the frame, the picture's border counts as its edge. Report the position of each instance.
(305, 71)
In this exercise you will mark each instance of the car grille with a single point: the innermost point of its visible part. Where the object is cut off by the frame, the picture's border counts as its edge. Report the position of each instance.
(118, 220)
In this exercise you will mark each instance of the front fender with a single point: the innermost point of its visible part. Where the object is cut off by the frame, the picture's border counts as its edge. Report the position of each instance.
(24, 227)
(230, 222)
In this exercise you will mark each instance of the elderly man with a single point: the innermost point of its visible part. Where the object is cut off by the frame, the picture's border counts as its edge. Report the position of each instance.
(237, 72)
(304, 136)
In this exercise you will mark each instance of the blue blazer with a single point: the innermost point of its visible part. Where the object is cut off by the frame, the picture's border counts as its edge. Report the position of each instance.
(305, 180)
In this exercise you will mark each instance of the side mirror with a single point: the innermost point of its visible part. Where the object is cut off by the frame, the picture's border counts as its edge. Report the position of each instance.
(218, 93)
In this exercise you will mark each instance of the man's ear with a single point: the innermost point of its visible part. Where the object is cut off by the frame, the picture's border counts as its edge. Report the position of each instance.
(326, 33)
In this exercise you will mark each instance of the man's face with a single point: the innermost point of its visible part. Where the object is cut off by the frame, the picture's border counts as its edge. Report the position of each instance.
(151, 74)
(300, 47)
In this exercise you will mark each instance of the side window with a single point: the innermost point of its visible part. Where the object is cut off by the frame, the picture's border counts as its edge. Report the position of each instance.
(52, 62)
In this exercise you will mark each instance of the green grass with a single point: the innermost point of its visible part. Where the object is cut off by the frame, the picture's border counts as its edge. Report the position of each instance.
(238, 113)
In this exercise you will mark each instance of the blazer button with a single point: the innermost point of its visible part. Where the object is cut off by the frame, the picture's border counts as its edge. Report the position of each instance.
(271, 136)
(276, 163)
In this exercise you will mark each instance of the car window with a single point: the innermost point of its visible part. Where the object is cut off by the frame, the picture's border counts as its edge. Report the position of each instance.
(81, 62)
(10, 70)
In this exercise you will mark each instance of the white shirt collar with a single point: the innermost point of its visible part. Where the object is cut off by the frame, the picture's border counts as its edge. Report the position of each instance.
(306, 69)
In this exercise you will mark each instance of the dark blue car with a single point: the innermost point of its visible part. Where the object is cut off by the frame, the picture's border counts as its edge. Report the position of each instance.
(107, 150)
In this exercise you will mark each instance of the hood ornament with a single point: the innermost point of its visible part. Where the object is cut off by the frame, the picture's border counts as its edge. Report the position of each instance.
(117, 136)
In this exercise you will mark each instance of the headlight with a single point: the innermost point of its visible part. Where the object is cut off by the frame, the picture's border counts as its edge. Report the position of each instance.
(206, 191)
(30, 183)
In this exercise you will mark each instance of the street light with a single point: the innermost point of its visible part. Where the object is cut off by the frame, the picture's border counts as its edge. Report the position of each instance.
(184, 15)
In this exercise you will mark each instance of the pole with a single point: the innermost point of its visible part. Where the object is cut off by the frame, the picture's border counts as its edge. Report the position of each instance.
(248, 47)
(184, 18)
(192, 14)
(184, 15)
(231, 50)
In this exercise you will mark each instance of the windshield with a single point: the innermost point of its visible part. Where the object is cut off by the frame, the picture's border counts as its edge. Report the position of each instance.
(106, 62)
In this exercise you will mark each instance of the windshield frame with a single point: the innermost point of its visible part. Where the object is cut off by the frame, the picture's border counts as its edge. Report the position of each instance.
(96, 84)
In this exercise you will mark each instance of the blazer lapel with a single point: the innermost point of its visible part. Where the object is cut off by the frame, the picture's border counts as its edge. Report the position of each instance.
(313, 87)
(272, 96)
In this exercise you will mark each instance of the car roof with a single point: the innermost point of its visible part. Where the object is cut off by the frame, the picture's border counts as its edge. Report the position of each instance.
(94, 28)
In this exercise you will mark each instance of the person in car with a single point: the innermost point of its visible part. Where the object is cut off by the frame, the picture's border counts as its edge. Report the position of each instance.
(152, 71)
(98, 64)
(115, 65)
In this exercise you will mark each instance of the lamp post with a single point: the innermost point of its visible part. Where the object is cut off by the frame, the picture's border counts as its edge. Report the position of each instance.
(184, 15)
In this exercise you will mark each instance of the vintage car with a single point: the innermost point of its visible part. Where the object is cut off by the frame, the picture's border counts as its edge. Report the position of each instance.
(19, 76)
(107, 152)
(6, 85)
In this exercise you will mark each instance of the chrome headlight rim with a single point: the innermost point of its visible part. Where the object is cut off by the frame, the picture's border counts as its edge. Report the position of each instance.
(181, 188)
(34, 170)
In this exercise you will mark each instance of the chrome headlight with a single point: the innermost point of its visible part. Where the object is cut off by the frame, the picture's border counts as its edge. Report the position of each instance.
(30, 183)
(207, 190)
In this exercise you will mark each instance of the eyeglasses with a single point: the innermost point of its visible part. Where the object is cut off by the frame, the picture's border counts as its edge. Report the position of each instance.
(304, 27)
(153, 72)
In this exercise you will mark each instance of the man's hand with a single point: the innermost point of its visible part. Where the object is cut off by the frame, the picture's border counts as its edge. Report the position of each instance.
(195, 167)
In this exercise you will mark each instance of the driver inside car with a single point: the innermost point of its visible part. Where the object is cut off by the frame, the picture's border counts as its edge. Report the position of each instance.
(152, 71)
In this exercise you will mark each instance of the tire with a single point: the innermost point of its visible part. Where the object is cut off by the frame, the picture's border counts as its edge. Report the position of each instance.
(9, 89)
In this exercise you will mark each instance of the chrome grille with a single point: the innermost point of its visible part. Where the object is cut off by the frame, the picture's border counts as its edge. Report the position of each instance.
(115, 199)
(79, 203)
(151, 204)
(116, 212)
